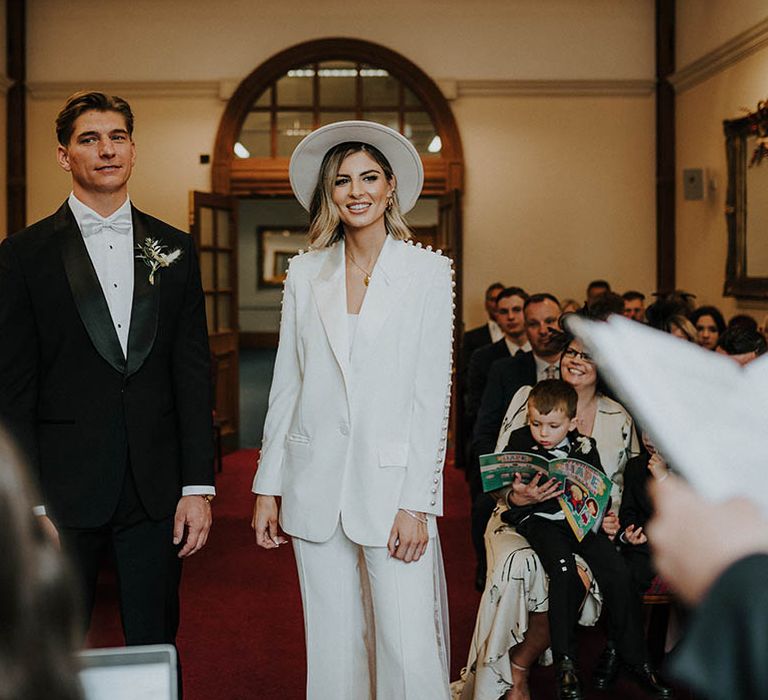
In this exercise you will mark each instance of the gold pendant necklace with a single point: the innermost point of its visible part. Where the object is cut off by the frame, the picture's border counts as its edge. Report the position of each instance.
(367, 278)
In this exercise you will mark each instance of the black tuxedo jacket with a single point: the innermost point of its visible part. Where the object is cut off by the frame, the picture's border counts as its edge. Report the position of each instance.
(479, 366)
(505, 377)
(473, 340)
(79, 409)
(521, 440)
(636, 507)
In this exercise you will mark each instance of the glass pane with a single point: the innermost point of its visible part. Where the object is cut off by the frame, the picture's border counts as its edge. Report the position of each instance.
(329, 117)
(421, 132)
(222, 228)
(223, 304)
(255, 136)
(265, 99)
(338, 84)
(206, 226)
(409, 99)
(389, 119)
(291, 128)
(222, 262)
(295, 88)
(206, 269)
(379, 88)
(209, 302)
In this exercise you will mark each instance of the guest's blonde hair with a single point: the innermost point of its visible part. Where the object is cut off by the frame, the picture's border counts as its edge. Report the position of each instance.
(325, 227)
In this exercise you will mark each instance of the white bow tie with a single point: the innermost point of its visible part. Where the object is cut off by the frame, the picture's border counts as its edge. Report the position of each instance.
(93, 224)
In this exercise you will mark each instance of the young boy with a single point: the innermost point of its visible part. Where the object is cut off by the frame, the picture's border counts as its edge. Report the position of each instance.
(535, 511)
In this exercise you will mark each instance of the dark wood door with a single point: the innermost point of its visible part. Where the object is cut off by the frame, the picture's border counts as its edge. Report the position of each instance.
(213, 223)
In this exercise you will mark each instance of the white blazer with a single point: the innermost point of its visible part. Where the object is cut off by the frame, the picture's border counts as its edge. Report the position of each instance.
(357, 438)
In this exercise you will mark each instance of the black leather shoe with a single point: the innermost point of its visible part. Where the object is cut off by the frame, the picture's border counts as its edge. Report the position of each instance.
(607, 668)
(647, 678)
(568, 686)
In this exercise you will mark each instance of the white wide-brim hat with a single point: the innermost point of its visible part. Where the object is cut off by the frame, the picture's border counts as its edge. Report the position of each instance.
(307, 158)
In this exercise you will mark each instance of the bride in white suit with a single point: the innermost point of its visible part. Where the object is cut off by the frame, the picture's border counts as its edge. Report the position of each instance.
(354, 439)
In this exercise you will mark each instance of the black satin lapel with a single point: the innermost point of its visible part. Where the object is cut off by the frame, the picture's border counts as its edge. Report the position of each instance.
(86, 290)
(146, 302)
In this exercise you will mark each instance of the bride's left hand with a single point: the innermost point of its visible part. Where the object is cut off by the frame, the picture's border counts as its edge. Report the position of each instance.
(409, 538)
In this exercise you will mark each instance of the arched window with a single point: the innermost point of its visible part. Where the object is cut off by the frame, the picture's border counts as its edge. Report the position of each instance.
(323, 81)
(319, 93)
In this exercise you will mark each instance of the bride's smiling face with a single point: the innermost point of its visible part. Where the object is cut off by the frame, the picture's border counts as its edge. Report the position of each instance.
(577, 367)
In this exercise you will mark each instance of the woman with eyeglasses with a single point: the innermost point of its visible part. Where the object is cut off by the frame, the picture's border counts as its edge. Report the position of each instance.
(511, 630)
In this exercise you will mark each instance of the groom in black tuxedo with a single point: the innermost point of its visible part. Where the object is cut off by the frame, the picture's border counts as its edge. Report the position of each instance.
(104, 373)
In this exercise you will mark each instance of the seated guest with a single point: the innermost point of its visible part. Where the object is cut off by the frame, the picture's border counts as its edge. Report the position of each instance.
(636, 511)
(505, 377)
(569, 306)
(603, 306)
(677, 303)
(511, 630)
(682, 328)
(596, 288)
(535, 511)
(542, 326)
(489, 332)
(743, 321)
(39, 624)
(742, 344)
(634, 305)
(710, 325)
(509, 316)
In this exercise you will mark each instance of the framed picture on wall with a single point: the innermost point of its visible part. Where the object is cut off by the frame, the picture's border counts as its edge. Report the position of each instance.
(276, 245)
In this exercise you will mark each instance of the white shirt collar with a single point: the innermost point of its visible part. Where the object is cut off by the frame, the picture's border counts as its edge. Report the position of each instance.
(541, 366)
(90, 221)
(514, 348)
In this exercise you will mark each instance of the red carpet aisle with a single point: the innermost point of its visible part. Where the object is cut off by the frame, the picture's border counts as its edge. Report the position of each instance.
(242, 635)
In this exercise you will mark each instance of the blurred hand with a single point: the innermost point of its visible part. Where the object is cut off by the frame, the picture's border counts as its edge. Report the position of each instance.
(694, 540)
(47, 526)
(610, 524)
(635, 535)
(657, 466)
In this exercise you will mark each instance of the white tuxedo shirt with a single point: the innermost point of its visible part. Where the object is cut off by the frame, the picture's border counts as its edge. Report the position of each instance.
(357, 437)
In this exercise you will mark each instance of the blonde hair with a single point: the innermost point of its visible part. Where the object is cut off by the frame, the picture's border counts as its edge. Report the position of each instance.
(684, 326)
(325, 227)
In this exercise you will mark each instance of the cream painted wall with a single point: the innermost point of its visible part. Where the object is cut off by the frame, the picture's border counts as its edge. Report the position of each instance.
(703, 25)
(702, 236)
(201, 40)
(559, 192)
(559, 188)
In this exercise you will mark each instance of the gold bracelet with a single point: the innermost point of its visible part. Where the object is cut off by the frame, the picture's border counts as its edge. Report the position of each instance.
(414, 516)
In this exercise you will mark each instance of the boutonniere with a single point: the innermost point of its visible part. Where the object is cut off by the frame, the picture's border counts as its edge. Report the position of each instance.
(585, 444)
(155, 256)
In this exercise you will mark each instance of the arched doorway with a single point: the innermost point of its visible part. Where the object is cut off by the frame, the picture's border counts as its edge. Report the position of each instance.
(286, 97)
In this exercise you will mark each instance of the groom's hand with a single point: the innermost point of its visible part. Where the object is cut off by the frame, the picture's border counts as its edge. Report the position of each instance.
(194, 514)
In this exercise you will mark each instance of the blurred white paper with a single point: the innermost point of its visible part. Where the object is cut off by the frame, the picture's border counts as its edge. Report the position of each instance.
(129, 673)
(707, 414)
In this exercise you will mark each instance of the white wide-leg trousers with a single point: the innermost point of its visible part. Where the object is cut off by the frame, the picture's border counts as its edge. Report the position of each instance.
(409, 662)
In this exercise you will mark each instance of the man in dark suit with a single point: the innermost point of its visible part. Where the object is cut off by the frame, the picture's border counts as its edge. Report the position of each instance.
(509, 316)
(104, 373)
(505, 377)
(489, 332)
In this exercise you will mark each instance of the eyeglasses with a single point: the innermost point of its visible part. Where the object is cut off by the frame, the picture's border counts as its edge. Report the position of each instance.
(576, 355)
